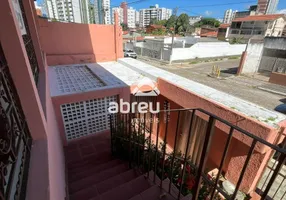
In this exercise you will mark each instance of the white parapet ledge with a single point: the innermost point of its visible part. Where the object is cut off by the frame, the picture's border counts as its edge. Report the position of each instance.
(269, 117)
(80, 78)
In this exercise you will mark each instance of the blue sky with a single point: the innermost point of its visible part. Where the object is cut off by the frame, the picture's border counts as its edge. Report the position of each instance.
(207, 10)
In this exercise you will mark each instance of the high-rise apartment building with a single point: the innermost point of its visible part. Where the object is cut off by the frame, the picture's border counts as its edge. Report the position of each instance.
(229, 16)
(119, 10)
(68, 10)
(124, 7)
(154, 12)
(137, 17)
(131, 17)
(126, 15)
(267, 6)
(102, 11)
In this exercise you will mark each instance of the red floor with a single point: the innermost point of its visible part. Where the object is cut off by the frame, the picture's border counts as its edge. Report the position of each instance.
(93, 174)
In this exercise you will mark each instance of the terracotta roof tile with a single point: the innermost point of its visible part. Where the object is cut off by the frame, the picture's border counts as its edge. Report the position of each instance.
(259, 18)
(224, 25)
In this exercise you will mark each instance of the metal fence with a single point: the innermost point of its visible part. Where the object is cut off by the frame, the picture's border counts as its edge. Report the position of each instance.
(151, 150)
(272, 64)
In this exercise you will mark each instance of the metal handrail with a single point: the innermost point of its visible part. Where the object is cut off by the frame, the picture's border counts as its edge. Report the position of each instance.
(200, 175)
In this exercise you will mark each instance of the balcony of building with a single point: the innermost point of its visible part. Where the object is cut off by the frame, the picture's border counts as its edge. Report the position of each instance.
(202, 144)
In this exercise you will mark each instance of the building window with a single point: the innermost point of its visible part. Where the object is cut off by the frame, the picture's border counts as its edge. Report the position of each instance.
(252, 22)
(235, 32)
(245, 32)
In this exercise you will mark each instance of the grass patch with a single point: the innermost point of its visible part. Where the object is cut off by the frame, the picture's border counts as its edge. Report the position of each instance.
(271, 119)
(194, 62)
(233, 57)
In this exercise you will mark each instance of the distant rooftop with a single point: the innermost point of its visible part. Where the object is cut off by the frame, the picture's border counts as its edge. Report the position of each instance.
(259, 18)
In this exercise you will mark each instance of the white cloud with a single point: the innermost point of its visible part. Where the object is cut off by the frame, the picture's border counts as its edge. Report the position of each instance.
(208, 13)
(283, 11)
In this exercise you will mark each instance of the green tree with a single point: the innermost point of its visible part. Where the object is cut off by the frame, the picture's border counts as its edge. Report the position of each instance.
(208, 21)
(171, 22)
(153, 21)
(182, 24)
(162, 22)
(159, 31)
(124, 27)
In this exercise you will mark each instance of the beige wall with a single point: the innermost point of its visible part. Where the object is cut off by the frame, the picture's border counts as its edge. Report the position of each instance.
(277, 28)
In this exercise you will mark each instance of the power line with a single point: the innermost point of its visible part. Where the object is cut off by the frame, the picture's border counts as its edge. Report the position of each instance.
(132, 2)
(222, 4)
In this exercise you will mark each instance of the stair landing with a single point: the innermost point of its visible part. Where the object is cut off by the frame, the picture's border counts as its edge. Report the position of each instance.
(93, 174)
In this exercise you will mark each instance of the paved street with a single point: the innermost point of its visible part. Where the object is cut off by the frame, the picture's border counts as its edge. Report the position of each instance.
(239, 86)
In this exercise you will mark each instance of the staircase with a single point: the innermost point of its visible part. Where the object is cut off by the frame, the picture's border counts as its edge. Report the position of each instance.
(93, 174)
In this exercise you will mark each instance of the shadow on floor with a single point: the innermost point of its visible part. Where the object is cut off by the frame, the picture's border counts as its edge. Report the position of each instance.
(230, 70)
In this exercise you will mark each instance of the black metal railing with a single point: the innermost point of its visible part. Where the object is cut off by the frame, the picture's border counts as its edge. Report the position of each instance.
(15, 138)
(176, 148)
(29, 46)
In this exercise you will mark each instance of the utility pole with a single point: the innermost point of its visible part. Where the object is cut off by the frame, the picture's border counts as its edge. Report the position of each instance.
(173, 33)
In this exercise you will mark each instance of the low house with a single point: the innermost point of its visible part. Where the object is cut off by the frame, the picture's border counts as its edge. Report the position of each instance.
(266, 56)
(223, 31)
(257, 25)
(154, 27)
(208, 31)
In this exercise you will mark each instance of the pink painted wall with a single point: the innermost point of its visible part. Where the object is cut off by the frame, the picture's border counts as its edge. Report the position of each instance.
(240, 144)
(72, 43)
(278, 78)
(57, 170)
(182, 97)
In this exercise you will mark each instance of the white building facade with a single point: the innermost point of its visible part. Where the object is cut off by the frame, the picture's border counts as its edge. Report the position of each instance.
(131, 18)
(229, 16)
(154, 12)
(102, 12)
(120, 14)
(68, 10)
(137, 18)
(194, 19)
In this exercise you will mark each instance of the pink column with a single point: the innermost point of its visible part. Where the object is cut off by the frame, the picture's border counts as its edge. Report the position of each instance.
(30, 15)
(118, 37)
(20, 69)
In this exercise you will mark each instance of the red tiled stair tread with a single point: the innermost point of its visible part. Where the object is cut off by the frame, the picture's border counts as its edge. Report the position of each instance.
(96, 178)
(88, 170)
(92, 158)
(115, 181)
(81, 168)
(139, 184)
(154, 193)
(137, 197)
(123, 192)
(84, 194)
(127, 190)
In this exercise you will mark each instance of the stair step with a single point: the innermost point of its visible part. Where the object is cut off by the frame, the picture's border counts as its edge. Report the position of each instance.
(165, 186)
(96, 178)
(127, 190)
(84, 194)
(153, 193)
(90, 159)
(115, 181)
(91, 169)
